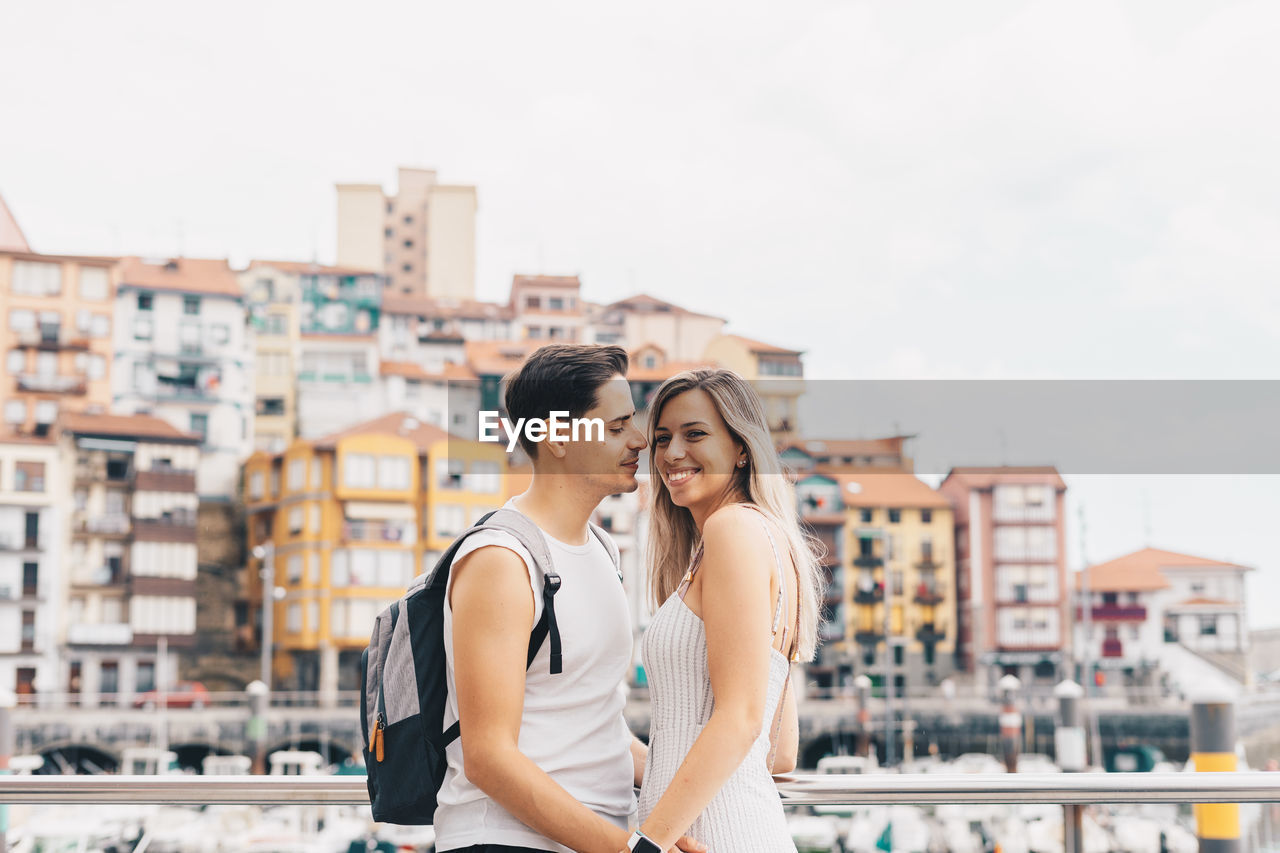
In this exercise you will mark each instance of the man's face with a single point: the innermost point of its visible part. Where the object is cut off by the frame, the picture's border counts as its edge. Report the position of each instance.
(609, 466)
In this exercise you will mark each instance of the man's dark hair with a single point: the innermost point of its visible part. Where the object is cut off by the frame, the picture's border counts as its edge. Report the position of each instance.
(559, 378)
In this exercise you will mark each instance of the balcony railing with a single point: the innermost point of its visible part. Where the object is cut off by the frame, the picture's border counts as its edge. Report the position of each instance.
(52, 384)
(929, 593)
(795, 790)
(111, 524)
(1115, 613)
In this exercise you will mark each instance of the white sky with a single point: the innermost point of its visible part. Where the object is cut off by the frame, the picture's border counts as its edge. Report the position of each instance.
(903, 189)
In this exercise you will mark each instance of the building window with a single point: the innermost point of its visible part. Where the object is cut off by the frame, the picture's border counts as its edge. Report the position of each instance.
(408, 244)
(146, 301)
(895, 516)
(449, 473)
(407, 267)
(926, 516)
(555, 303)
(357, 471)
(270, 406)
(36, 278)
(142, 328)
(450, 520)
(30, 580)
(533, 302)
(1208, 626)
(109, 677)
(485, 477)
(200, 425)
(408, 219)
(146, 676)
(191, 305)
(28, 477)
(533, 332)
(255, 485)
(219, 333)
(393, 472)
(294, 568)
(865, 516)
(46, 411)
(293, 619)
(317, 473)
(16, 361)
(295, 520)
(15, 411)
(100, 326)
(387, 233)
(898, 655)
(93, 284)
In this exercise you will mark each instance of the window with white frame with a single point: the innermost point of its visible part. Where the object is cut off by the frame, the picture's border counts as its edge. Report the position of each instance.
(293, 619)
(22, 320)
(142, 328)
(296, 520)
(97, 367)
(296, 480)
(358, 471)
(449, 473)
(15, 411)
(16, 362)
(485, 477)
(450, 519)
(317, 475)
(100, 326)
(339, 571)
(363, 567)
(315, 517)
(93, 284)
(46, 411)
(36, 278)
(393, 472)
(255, 485)
(394, 567)
(294, 568)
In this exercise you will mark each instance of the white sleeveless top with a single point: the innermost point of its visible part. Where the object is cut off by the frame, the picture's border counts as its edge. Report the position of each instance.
(573, 725)
(746, 815)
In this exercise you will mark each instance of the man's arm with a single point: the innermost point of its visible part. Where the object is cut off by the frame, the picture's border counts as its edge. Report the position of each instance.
(493, 610)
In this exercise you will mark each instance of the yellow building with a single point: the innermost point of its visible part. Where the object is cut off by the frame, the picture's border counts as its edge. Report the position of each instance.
(894, 541)
(775, 372)
(345, 522)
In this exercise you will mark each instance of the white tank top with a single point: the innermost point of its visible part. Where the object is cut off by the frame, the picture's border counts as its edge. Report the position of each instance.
(573, 725)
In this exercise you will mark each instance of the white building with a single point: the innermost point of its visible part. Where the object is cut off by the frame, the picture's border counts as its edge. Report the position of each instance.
(131, 563)
(32, 532)
(639, 320)
(1157, 612)
(181, 354)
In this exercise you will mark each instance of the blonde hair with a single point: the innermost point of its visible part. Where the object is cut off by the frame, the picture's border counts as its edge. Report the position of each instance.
(673, 536)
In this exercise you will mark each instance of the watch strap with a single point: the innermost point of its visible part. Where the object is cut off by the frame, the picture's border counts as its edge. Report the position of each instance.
(641, 843)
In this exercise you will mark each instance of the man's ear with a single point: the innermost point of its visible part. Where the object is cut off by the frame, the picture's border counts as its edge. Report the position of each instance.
(558, 449)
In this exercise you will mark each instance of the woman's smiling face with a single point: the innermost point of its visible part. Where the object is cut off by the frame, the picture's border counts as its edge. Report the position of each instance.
(695, 454)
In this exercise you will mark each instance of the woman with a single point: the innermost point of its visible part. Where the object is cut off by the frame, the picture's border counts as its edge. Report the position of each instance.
(737, 584)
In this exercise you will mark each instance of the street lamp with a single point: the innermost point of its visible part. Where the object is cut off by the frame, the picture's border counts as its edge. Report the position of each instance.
(266, 553)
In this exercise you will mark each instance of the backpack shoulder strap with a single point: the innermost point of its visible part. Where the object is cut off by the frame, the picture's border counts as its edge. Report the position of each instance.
(609, 545)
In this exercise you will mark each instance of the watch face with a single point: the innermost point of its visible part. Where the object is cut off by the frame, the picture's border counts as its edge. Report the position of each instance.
(644, 845)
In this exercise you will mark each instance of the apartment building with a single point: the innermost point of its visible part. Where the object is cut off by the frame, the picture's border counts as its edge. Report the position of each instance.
(1012, 575)
(348, 520)
(681, 334)
(810, 453)
(890, 545)
(130, 567)
(182, 355)
(1155, 612)
(337, 379)
(272, 296)
(56, 337)
(548, 308)
(32, 533)
(423, 238)
(775, 372)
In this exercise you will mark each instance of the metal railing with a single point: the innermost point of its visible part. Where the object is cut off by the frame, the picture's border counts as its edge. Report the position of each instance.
(828, 789)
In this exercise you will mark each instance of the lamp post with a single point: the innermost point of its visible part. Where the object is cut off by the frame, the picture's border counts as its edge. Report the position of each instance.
(266, 552)
(256, 731)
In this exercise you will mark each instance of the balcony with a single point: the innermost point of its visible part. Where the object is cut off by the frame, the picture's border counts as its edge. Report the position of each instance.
(868, 636)
(51, 337)
(105, 634)
(1112, 649)
(110, 524)
(165, 480)
(871, 595)
(929, 593)
(361, 530)
(13, 541)
(52, 384)
(931, 633)
(1115, 613)
(177, 527)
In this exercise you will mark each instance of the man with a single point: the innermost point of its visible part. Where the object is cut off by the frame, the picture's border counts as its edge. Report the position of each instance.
(545, 762)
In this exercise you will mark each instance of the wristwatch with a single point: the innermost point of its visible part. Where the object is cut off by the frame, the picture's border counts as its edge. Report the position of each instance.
(641, 843)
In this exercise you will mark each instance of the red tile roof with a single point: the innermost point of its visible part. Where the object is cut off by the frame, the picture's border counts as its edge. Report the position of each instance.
(309, 268)
(498, 357)
(411, 370)
(643, 303)
(546, 281)
(761, 348)
(1141, 570)
(212, 277)
(883, 488)
(984, 477)
(125, 426)
(397, 423)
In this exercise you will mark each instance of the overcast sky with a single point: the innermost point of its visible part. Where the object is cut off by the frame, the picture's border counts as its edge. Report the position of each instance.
(902, 189)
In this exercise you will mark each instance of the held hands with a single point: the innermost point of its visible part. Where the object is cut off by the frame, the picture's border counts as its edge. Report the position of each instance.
(685, 844)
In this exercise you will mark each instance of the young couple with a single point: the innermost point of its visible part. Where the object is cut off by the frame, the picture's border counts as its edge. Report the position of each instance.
(546, 762)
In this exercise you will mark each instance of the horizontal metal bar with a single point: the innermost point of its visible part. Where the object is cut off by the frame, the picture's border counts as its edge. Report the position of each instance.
(830, 789)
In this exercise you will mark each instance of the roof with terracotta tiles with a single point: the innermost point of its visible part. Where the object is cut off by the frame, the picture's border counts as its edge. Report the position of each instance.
(208, 276)
(309, 268)
(643, 303)
(403, 424)
(124, 426)
(984, 477)
(761, 348)
(882, 487)
(1141, 570)
(546, 281)
(412, 370)
(461, 309)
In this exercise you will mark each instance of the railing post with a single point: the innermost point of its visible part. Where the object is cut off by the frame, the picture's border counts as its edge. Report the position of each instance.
(1213, 748)
(7, 701)
(256, 730)
(1068, 748)
(1010, 721)
(862, 685)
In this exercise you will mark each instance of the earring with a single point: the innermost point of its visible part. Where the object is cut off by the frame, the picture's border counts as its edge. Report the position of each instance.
(742, 463)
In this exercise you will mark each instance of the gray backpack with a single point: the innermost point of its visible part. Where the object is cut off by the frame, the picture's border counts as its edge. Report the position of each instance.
(403, 686)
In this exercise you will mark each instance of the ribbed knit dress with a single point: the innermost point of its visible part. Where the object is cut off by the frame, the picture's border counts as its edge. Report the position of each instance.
(746, 815)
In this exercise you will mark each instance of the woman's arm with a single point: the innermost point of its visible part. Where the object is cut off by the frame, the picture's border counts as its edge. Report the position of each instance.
(737, 611)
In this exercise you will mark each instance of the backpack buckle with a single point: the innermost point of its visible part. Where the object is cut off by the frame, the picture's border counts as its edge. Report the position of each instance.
(553, 582)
